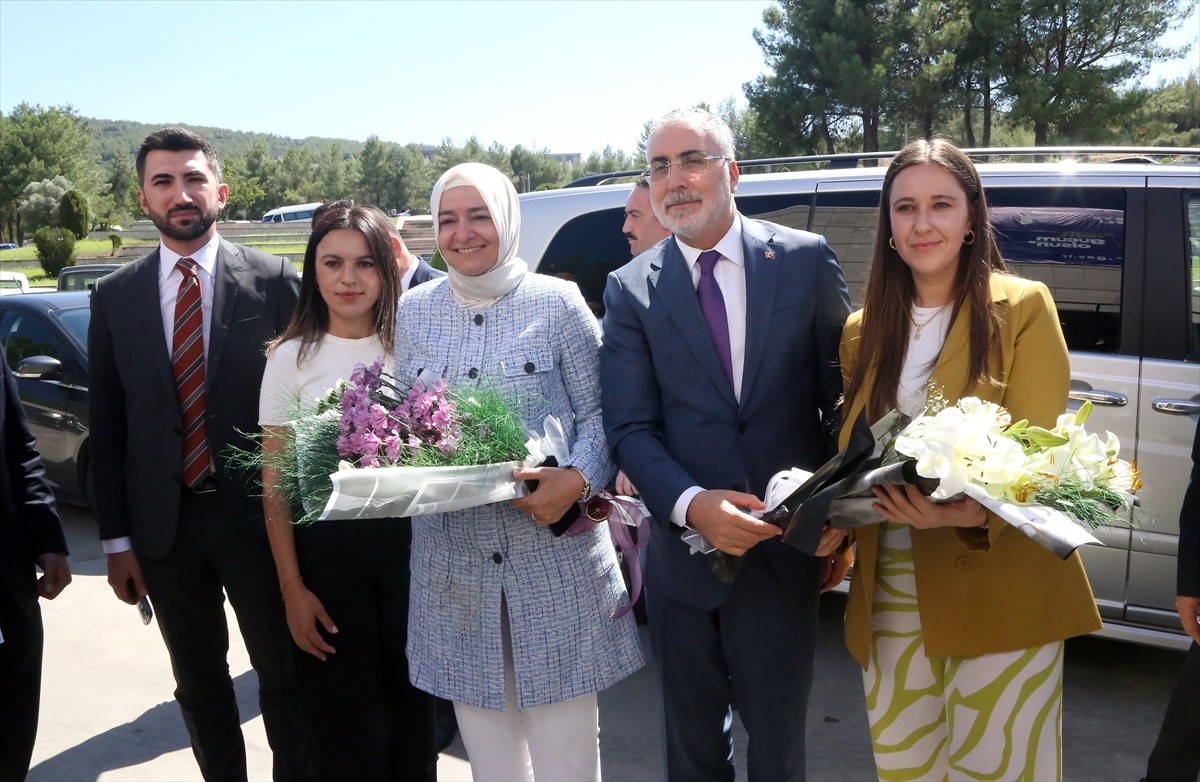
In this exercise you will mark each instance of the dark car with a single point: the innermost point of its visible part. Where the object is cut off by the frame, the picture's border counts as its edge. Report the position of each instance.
(83, 277)
(44, 336)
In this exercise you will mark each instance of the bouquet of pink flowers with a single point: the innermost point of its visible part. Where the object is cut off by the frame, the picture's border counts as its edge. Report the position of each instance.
(373, 448)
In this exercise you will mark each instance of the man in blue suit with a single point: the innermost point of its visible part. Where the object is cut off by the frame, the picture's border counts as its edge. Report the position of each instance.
(702, 405)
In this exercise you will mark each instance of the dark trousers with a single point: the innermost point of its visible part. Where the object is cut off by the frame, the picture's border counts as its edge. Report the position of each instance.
(365, 719)
(20, 687)
(1176, 755)
(213, 556)
(759, 642)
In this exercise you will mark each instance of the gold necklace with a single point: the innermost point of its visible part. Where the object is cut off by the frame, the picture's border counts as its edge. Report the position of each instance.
(920, 326)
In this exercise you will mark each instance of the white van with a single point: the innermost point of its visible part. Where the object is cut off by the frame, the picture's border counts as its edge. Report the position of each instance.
(297, 213)
(1118, 244)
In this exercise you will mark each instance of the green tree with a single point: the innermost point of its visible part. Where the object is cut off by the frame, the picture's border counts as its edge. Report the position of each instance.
(374, 181)
(244, 192)
(122, 186)
(38, 144)
(295, 175)
(73, 214)
(534, 169)
(1066, 61)
(261, 169)
(55, 249)
(40, 202)
(329, 179)
(830, 64)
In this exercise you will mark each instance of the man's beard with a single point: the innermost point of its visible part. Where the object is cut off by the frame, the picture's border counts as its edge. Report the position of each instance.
(690, 225)
(202, 222)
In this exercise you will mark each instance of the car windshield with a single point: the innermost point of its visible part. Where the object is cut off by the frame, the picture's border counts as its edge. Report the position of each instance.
(75, 321)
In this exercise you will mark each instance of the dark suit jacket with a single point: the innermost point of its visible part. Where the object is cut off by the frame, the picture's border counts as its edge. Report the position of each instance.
(424, 273)
(29, 525)
(1189, 530)
(670, 414)
(136, 428)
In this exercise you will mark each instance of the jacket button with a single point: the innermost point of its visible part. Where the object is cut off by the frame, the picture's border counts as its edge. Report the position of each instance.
(529, 367)
(478, 320)
(963, 561)
(474, 373)
(497, 558)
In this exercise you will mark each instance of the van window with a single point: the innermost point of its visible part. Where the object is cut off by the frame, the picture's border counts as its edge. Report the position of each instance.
(585, 250)
(1073, 240)
(1193, 215)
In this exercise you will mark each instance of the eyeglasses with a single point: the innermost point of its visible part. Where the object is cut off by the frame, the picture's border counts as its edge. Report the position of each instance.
(690, 165)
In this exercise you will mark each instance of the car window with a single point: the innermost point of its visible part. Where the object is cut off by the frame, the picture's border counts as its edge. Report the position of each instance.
(75, 321)
(25, 334)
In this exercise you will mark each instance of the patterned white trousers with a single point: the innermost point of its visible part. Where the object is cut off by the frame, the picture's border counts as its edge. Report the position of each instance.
(991, 717)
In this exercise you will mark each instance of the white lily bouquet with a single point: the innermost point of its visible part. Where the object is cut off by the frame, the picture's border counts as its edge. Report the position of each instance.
(1055, 485)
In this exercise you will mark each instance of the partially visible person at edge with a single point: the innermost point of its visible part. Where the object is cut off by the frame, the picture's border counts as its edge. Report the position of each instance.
(510, 622)
(718, 370)
(957, 618)
(175, 353)
(30, 536)
(345, 583)
(1176, 755)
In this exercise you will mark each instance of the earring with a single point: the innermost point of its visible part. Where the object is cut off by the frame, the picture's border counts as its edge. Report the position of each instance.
(969, 239)
(892, 242)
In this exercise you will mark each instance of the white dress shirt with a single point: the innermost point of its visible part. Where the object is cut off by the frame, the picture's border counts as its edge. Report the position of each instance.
(730, 272)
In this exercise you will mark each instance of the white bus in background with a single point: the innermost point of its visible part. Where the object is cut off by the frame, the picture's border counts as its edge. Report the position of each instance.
(297, 213)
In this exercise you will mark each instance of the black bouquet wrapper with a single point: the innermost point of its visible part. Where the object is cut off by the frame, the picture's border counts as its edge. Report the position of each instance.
(847, 478)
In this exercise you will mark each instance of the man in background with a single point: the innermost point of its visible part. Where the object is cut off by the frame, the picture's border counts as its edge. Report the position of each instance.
(641, 228)
(30, 534)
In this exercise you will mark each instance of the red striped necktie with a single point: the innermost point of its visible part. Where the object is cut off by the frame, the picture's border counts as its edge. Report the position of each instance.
(187, 362)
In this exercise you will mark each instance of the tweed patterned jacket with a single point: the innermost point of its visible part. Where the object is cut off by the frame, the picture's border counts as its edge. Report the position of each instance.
(541, 342)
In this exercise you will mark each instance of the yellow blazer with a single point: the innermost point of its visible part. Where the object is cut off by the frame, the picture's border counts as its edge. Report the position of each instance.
(996, 590)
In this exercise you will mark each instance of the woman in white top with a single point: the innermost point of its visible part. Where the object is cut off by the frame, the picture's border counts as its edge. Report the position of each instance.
(345, 583)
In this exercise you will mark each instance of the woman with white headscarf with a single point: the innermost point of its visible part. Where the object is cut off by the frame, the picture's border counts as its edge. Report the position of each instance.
(508, 621)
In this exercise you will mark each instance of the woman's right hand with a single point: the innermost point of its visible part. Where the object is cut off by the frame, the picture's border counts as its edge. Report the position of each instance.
(304, 610)
(907, 505)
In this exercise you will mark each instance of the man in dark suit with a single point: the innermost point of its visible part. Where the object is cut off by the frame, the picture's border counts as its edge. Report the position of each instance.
(705, 397)
(1176, 755)
(176, 357)
(30, 534)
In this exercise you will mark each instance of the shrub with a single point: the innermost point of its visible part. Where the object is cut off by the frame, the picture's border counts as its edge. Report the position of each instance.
(73, 213)
(116, 242)
(55, 249)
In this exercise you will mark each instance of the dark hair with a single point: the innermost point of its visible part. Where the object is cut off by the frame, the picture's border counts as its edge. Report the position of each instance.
(176, 140)
(310, 321)
(890, 289)
(642, 183)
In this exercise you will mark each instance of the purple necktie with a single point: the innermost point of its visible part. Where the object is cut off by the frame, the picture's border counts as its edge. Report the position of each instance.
(712, 303)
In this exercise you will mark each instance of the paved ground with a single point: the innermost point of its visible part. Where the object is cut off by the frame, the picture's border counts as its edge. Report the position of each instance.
(107, 711)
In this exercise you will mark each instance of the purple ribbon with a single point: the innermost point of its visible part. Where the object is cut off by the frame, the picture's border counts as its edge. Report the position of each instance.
(621, 513)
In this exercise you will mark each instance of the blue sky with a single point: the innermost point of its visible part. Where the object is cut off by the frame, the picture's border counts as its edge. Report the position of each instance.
(567, 76)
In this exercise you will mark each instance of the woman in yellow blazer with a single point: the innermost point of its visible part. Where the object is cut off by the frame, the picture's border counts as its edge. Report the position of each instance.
(956, 617)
